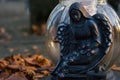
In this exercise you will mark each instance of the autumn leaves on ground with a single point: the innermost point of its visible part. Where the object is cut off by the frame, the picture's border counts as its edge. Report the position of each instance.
(28, 64)
(22, 55)
(29, 67)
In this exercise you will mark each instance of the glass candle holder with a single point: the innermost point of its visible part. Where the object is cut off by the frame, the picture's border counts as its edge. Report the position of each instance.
(60, 14)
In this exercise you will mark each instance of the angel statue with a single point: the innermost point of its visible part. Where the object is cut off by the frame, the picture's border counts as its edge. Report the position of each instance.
(85, 43)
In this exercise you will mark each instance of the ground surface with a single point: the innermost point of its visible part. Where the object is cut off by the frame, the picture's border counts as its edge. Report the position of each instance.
(14, 27)
(14, 36)
(15, 22)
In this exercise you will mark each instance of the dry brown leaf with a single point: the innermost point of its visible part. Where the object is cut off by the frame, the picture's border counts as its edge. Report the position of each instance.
(29, 70)
(38, 60)
(2, 31)
(3, 63)
(34, 47)
(17, 76)
(12, 49)
(4, 75)
(26, 50)
(45, 72)
(39, 29)
(18, 59)
(115, 68)
(31, 66)
(14, 67)
(37, 76)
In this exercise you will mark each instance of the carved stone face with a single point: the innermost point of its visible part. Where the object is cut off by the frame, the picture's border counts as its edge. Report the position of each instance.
(75, 15)
(77, 11)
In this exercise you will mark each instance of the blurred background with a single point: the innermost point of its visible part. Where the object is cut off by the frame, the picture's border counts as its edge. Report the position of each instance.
(23, 25)
(39, 11)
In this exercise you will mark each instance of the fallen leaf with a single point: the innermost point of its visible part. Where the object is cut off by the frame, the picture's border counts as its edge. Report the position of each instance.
(115, 68)
(4, 75)
(19, 67)
(34, 47)
(17, 76)
(12, 49)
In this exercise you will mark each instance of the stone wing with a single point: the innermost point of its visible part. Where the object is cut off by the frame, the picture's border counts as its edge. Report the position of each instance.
(63, 36)
(105, 29)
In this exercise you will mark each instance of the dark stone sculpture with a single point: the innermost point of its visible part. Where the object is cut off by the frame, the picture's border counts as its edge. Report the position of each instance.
(83, 44)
